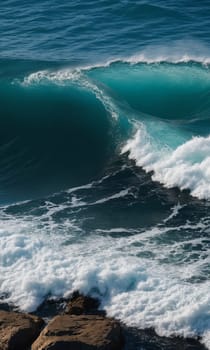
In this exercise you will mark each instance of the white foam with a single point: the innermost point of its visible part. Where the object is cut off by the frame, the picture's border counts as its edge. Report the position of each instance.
(175, 211)
(186, 167)
(60, 76)
(78, 202)
(118, 195)
(79, 188)
(35, 262)
(117, 230)
(182, 51)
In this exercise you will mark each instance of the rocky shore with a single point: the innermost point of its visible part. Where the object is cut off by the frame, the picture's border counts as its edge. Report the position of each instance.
(78, 324)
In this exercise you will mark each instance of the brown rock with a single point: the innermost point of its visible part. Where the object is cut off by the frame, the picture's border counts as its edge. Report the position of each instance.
(84, 332)
(80, 304)
(17, 330)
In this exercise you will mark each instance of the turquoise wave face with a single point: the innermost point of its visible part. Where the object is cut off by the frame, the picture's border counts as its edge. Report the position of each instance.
(172, 100)
(61, 127)
(163, 90)
(50, 137)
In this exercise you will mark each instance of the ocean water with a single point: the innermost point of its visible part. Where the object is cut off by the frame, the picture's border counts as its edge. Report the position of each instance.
(105, 158)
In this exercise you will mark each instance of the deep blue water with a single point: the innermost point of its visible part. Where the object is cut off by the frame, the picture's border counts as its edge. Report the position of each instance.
(88, 31)
(105, 158)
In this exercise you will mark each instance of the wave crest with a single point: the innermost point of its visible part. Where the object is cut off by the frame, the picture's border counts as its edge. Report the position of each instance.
(186, 167)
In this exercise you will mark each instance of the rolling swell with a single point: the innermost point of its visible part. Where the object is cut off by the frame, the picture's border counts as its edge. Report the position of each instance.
(60, 127)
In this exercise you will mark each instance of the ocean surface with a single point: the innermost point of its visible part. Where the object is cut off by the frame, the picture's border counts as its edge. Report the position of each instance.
(105, 158)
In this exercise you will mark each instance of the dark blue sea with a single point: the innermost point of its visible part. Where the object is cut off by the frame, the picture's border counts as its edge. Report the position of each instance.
(105, 158)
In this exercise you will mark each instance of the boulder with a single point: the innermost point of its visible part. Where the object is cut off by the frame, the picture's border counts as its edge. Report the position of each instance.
(83, 332)
(17, 330)
(81, 304)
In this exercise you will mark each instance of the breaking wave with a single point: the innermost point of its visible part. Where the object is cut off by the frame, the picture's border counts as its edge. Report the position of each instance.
(60, 127)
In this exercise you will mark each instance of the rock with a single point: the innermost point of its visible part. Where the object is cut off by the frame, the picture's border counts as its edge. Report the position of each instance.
(5, 307)
(80, 304)
(83, 332)
(51, 307)
(17, 330)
